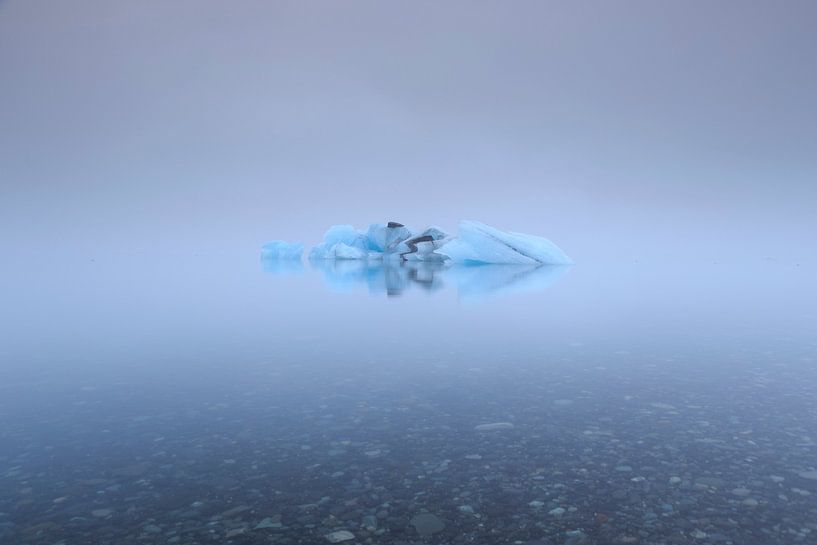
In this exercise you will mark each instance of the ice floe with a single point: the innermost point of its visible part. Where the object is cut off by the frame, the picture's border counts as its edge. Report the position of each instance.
(475, 244)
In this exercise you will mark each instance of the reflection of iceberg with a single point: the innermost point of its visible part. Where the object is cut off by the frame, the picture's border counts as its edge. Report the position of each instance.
(477, 280)
(282, 266)
(477, 243)
(392, 278)
(279, 257)
(395, 278)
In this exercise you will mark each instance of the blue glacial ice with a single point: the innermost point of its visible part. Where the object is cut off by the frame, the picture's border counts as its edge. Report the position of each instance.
(479, 243)
(476, 244)
(278, 249)
(385, 238)
(341, 242)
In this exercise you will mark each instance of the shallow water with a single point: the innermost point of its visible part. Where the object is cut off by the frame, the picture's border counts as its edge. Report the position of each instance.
(219, 400)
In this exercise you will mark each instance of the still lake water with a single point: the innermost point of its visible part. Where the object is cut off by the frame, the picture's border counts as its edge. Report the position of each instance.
(218, 400)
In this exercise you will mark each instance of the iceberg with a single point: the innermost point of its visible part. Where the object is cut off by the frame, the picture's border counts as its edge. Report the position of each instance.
(479, 243)
(378, 242)
(341, 250)
(386, 238)
(345, 234)
(423, 246)
(341, 242)
(476, 244)
(278, 249)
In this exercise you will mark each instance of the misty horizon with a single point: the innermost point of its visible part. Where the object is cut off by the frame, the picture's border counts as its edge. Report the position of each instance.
(187, 358)
(178, 125)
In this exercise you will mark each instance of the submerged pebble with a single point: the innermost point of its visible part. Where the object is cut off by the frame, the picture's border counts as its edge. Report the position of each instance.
(427, 524)
(339, 536)
(494, 426)
(402, 463)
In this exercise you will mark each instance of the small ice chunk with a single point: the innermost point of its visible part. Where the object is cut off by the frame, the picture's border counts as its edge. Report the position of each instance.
(278, 249)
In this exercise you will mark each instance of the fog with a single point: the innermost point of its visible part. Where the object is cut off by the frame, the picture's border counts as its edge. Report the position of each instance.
(621, 131)
(160, 382)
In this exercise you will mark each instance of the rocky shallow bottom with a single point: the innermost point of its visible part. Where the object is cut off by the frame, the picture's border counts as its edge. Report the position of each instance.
(576, 450)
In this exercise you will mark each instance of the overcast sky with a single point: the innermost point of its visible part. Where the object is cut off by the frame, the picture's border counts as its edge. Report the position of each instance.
(174, 124)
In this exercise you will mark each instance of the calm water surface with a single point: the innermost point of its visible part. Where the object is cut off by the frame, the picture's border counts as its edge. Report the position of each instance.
(216, 399)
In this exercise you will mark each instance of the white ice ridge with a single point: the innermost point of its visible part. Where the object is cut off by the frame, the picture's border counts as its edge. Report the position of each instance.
(477, 243)
(480, 243)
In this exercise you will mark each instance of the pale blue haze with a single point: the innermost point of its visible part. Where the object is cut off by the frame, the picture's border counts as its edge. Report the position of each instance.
(161, 382)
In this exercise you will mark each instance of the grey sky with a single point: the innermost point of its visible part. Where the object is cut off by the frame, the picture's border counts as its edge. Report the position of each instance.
(171, 123)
